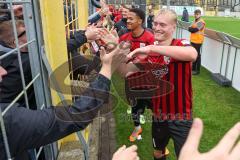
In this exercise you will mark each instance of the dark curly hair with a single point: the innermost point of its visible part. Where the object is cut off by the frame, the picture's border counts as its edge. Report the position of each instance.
(139, 12)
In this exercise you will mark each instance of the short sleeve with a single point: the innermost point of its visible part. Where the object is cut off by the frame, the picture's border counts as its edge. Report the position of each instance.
(184, 42)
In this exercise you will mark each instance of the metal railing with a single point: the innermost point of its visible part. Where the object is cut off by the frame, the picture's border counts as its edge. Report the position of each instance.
(220, 52)
(72, 19)
(41, 92)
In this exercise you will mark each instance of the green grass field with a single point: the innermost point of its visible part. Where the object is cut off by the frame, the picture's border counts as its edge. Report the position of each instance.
(219, 107)
(223, 24)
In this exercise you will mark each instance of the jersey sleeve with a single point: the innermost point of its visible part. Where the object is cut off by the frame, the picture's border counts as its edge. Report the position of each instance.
(184, 43)
(180, 43)
(123, 37)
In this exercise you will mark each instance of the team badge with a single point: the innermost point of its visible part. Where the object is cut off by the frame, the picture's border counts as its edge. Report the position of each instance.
(167, 59)
(185, 42)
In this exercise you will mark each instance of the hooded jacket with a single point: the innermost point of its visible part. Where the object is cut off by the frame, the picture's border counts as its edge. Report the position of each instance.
(11, 84)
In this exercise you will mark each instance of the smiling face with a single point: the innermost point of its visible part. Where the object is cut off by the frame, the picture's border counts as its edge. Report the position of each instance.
(164, 26)
(133, 21)
(125, 12)
(197, 15)
(7, 34)
(22, 37)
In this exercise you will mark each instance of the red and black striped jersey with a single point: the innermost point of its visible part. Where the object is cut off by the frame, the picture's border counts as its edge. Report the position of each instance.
(172, 97)
(146, 38)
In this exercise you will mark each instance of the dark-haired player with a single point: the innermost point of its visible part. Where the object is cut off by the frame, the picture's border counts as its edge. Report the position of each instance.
(138, 37)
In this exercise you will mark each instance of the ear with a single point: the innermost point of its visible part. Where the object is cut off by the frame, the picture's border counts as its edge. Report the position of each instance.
(140, 21)
(174, 26)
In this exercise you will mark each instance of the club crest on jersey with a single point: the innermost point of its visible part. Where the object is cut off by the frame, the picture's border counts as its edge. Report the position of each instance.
(167, 59)
(185, 42)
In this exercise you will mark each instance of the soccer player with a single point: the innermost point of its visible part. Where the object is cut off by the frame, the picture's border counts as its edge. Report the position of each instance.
(138, 37)
(172, 114)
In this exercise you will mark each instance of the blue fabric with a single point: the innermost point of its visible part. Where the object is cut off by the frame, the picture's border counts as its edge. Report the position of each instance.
(95, 17)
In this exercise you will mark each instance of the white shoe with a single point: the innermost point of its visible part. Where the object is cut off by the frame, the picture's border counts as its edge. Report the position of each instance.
(142, 119)
(129, 110)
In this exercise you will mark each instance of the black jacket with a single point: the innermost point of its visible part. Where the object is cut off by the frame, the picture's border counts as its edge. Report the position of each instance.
(5, 16)
(185, 16)
(27, 129)
(80, 64)
(150, 21)
(122, 24)
(11, 84)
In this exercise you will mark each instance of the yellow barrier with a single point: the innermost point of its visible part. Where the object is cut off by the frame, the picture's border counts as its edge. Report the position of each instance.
(52, 13)
(210, 13)
(83, 22)
(83, 13)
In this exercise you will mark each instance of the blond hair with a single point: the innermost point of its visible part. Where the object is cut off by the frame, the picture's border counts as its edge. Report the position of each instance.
(169, 12)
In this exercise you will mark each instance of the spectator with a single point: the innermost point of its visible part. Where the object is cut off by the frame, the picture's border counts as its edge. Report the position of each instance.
(95, 17)
(150, 19)
(118, 14)
(5, 13)
(10, 87)
(80, 64)
(28, 129)
(122, 24)
(185, 16)
(197, 29)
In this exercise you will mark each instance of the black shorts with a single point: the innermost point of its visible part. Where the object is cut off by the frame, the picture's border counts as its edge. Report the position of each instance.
(162, 131)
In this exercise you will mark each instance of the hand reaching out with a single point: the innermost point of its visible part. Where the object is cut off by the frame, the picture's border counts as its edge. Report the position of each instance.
(93, 33)
(141, 52)
(124, 153)
(113, 31)
(225, 149)
(103, 3)
(111, 37)
(112, 60)
(104, 8)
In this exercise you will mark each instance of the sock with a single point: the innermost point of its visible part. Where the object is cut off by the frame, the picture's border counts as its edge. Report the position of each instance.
(138, 127)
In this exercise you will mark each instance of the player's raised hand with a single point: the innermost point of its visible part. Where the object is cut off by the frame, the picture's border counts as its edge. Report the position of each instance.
(111, 60)
(143, 51)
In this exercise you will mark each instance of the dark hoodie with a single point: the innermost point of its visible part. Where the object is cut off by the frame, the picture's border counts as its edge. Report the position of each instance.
(11, 84)
(122, 24)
